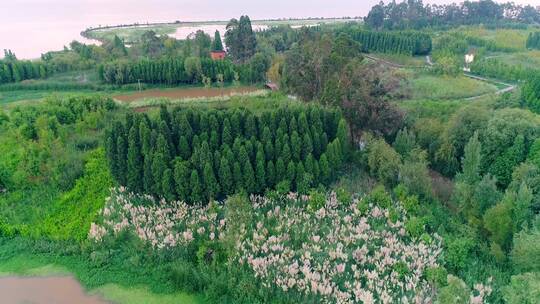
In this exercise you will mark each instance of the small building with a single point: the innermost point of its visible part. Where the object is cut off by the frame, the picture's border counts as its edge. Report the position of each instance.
(218, 55)
(272, 86)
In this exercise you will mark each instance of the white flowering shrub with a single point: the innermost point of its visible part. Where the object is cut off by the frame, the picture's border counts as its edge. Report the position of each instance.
(338, 253)
(159, 223)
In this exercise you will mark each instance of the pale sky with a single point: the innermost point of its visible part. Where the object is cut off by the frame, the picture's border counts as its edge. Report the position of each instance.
(30, 27)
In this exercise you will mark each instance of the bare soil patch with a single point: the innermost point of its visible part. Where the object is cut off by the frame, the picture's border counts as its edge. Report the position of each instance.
(185, 93)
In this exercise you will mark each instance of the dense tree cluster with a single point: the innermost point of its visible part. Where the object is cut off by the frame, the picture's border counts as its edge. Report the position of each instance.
(240, 39)
(533, 41)
(405, 42)
(492, 67)
(531, 92)
(413, 14)
(166, 71)
(13, 70)
(200, 155)
(331, 69)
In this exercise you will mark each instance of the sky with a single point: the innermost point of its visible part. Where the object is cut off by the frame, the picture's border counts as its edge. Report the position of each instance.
(30, 27)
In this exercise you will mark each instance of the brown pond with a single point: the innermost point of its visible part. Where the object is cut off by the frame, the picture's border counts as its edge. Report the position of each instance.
(44, 290)
(185, 93)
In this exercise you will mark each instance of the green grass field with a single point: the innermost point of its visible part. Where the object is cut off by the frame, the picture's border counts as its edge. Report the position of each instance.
(410, 61)
(525, 58)
(435, 87)
(511, 39)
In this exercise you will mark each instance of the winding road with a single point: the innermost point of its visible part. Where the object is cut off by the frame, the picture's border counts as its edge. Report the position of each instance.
(507, 87)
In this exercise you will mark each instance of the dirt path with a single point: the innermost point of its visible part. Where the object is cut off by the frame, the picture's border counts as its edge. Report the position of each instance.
(507, 87)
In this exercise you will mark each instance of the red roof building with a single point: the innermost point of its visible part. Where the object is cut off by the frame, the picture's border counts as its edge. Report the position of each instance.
(218, 55)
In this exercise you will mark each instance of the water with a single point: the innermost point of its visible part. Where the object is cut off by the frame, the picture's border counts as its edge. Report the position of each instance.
(33, 27)
(44, 290)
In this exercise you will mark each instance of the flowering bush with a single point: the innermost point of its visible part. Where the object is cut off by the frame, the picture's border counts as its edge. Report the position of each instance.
(338, 252)
(160, 223)
(341, 252)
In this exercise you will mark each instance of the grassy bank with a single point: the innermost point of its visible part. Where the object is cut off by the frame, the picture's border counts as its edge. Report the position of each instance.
(19, 258)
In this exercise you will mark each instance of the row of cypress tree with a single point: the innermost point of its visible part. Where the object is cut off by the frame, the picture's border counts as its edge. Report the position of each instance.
(533, 41)
(404, 42)
(19, 70)
(165, 70)
(201, 155)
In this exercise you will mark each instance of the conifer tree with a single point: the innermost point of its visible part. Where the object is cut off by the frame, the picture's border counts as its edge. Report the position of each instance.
(211, 186)
(159, 165)
(134, 161)
(226, 135)
(167, 185)
(324, 168)
(260, 171)
(112, 154)
(270, 173)
(248, 177)
(291, 172)
(286, 153)
(307, 146)
(226, 177)
(217, 44)
(296, 146)
(121, 147)
(471, 161)
(148, 177)
(181, 179)
(183, 148)
(196, 189)
(237, 175)
(281, 170)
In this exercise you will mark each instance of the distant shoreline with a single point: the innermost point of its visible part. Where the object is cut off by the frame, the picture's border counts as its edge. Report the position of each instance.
(86, 33)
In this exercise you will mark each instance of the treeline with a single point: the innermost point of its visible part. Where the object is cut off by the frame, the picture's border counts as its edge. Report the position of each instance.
(409, 43)
(166, 70)
(497, 69)
(19, 70)
(531, 93)
(413, 14)
(533, 41)
(200, 155)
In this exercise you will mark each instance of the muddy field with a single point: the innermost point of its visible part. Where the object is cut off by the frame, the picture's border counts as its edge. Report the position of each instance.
(185, 93)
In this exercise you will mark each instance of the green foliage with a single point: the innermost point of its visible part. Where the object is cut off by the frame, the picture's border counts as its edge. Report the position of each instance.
(380, 197)
(383, 162)
(13, 70)
(455, 292)
(498, 221)
(406, 42)
(533, 41)
(240, 39)
(405, 142)
(531, 92)
(76, 209)
(217, 44)
(169, 71)
(414, 174)
(526, 249)
(523, 289)
(242, 158)
(436, 276)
